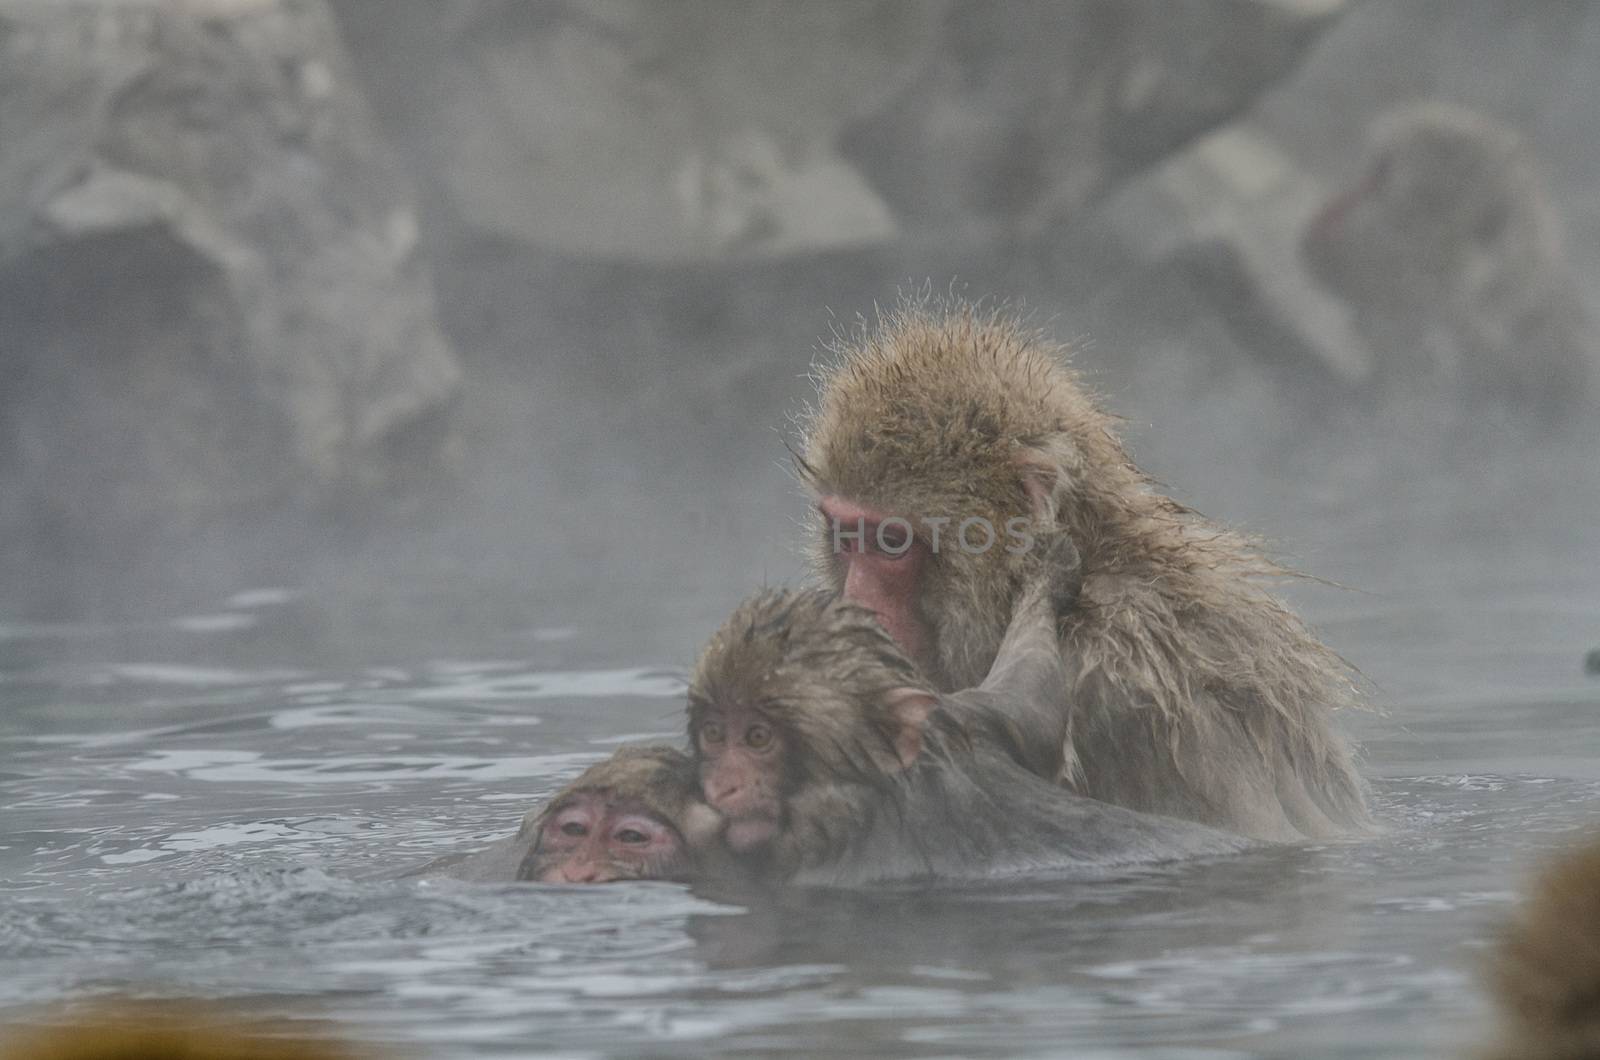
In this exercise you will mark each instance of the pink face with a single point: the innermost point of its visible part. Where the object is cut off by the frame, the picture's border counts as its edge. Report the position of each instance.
(590, 839)
(741, 774)
(878, 572)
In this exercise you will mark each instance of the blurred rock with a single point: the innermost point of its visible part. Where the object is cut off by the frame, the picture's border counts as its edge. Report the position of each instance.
(211, 300)
(1591, 663)
(702, 130)
(1435, 274)
(640, 131)
(1032, 109)
(1218, 226)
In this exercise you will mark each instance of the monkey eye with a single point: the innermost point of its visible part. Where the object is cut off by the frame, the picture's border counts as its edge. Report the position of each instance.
(633, 836)
(711, 732)
(576, 829)
(890, 540)
(758, 736)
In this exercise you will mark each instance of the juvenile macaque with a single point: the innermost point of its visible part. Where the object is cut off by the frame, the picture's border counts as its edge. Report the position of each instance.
(834, 761)
(635, 816)
(947, 444)
(1545, 973)
(1447, 250)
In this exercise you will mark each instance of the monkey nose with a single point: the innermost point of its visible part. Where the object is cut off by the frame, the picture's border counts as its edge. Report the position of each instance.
(587, 872)
(721, 793)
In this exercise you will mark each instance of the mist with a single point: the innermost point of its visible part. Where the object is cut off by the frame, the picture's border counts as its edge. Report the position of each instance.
(395, 394)
(487, 315)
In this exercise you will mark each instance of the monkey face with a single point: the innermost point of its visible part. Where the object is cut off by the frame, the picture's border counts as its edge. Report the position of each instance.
(1363, 244)
(927, 580)
(742, 761)
(878, 563)
(1446, 194)
(590, 838)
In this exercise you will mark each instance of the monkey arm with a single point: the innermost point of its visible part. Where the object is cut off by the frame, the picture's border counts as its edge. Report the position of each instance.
(1027, 669)
(1027, 672)
(1021, 706)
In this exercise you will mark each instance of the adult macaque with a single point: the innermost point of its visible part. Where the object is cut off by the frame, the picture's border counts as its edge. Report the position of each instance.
(1446, 249)
(635, 816)
(1545, 972)
(944, 445)
(834, 761)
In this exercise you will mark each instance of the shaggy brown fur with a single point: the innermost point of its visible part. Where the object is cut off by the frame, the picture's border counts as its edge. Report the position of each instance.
(1195, 692)
(819, 669)
(660, 779)
(1546, 971)
(660, 782)
(825, 674)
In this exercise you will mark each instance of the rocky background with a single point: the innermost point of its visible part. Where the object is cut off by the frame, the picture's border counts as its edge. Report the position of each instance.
(495, 311)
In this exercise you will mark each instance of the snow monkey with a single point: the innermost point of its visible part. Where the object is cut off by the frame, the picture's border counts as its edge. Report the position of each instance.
(834, 761)
(945, 445)
(1447, 249)
(635, 816)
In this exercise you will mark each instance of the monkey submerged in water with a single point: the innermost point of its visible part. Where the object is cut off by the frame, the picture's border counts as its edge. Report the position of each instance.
(821, 754)
(635, 816)
(834, 761)
(824, 756)
(941, 445)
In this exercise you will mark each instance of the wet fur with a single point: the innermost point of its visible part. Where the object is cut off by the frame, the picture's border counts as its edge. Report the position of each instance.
(1194, 692)
(661, 780)
(821, 669)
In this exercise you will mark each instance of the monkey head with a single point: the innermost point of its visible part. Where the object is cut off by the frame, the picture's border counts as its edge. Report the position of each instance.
(1448, 207)
(635, 816)
(798, 699)
(945, 448)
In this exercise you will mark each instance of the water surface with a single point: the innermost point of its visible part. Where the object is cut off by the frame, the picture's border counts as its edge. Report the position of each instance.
(215, 805)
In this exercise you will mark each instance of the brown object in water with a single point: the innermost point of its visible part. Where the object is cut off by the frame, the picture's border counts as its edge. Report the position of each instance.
(1545, 972)
(167, 1031)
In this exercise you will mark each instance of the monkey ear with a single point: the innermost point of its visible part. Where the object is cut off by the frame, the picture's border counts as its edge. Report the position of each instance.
(909, 709)
(1041, 477)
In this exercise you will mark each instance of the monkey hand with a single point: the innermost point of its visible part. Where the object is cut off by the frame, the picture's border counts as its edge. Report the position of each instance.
(1057, 571)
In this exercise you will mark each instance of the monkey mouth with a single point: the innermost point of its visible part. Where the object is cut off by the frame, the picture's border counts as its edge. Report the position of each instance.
(748, 833)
